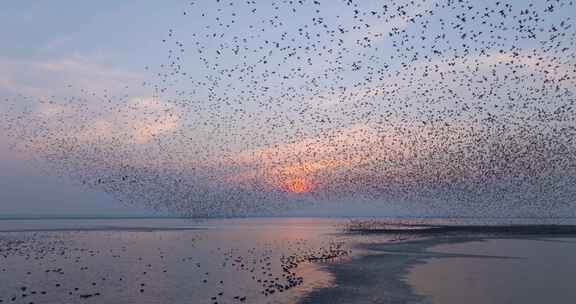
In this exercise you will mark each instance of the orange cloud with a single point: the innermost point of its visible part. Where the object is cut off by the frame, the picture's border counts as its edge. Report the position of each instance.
(303, 164)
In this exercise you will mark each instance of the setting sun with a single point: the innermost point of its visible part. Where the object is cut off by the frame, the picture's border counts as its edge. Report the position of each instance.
(297, 185)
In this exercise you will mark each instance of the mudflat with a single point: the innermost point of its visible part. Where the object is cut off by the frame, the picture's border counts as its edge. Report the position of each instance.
(457, 269)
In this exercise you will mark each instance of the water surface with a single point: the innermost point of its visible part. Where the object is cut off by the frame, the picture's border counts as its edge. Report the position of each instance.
(164, 260)
(521, 270)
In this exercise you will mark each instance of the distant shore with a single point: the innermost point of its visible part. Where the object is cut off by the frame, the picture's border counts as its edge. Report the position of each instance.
(506, 230)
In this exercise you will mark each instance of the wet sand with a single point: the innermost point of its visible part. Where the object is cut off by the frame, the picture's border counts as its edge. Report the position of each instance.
(439, 270)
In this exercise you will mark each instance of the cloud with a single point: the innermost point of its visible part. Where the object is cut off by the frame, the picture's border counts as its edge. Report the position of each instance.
(71, 99)
(118, 134)
(448, 72)
(148, 117)
(42, 78)
(309, 159)
(135, 122)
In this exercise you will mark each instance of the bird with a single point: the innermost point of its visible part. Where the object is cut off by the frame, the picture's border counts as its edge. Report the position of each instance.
(455, 107)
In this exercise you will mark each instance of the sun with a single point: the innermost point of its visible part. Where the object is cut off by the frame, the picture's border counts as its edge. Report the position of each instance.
(297, 186)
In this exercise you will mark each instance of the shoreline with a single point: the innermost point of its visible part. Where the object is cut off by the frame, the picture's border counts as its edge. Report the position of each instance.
(446, 230)
(380, 274)
(361, 279)
(380, 267)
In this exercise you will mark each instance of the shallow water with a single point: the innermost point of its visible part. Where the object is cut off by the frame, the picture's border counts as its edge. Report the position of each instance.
(505, 271)
(163, 261)
(259, 260)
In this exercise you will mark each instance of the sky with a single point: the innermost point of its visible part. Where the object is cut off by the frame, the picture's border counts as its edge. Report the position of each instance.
(53, 44)
(229, 108)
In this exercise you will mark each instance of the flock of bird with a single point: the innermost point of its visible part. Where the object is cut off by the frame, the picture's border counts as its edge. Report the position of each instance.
(450, 107)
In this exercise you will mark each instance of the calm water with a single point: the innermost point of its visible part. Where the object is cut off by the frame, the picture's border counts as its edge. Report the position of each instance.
(266, 260)
(164, 260)
(505, 271)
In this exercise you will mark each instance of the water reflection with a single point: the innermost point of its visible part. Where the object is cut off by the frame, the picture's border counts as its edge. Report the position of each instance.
(542, 271)
(148, 261)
